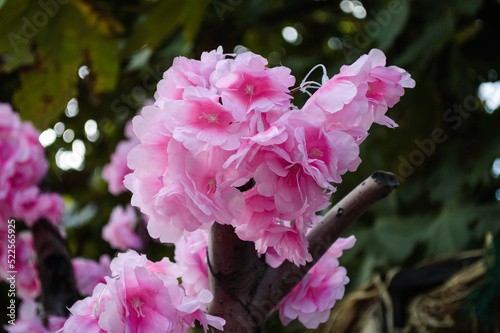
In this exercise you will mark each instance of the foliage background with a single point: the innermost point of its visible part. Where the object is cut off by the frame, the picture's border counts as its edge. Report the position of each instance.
(447, 200)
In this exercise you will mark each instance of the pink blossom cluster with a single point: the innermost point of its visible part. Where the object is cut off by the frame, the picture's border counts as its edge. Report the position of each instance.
(115, 171)
(29, 320)
(119, 231)
(89, 273)
(22, 166)
(141, 296)
(224, 121)
(312, 299)
(28, 285)
(191, 253)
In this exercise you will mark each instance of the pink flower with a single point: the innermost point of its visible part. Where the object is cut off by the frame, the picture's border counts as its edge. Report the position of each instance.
(27, 283)
(385, 87)
(85, 313)
(191, 253)
(142, 296)
(293, 168)
(115, 172)
(22, 166)
(200, 119)
(30, 206)
(198, 184)
(313, 298)
(89, 273)
(29, 320)
(246, 84)
(359, 95)
(186, 73)
(119, 231)
(23, 162)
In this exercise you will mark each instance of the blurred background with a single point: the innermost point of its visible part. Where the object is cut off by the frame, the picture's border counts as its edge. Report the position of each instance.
(79, 70)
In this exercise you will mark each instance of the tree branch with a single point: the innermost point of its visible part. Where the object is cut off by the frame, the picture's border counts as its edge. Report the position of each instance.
(54, 269)
(278, 282)
(234, 273)
(246, 290)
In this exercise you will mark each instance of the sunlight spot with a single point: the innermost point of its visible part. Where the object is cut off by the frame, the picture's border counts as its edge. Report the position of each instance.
(355, 7)
(47, 137)
(72, 108)
(78, 147)
(83, 72)
(359, 12)
(489, 93)
(59, 128)
(346, 6)
(290, 34)
(334, 43)
(91, 130)
(495, 169)
(68, 159)
(240, 49)
(68, 135)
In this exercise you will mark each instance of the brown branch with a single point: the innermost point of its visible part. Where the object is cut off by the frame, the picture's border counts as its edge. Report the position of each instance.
(278, 282)
(246, 290)
(54, 269)
(234, 271)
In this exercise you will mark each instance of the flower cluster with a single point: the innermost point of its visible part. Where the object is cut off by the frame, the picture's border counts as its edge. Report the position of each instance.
(22, 166)
(310, 301)
(313, 298)
(28, 285)
(227, 121)
(115, 171)
(29, 320)
(119, 231)
(89, 273)
(191, 253)
(141, 296)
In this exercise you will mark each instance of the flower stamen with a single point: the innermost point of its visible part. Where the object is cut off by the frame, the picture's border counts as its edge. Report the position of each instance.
(315, 153)
(137, 305)
(210, 117)
(249, 89)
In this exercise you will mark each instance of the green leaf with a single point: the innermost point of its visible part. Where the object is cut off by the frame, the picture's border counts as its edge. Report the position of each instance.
(391, 25)
(155, 26)
(449, 233)
(445, 184)
(66, 43)
(192, 14)
(17, 32)
(432, 39)
(163, 19)
(104, 62)
(488, 220)
(395, 237)
(468, 7)
(139, 59)
(100, 19)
